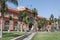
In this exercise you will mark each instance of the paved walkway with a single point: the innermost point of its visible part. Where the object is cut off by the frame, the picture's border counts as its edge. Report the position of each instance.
(29, 37)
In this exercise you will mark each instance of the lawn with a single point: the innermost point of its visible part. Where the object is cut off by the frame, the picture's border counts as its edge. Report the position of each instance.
(12, 34)
(46, 36)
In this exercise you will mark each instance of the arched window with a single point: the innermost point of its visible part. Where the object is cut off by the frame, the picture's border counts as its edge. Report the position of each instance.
(31, 19)
(15, 24)
(7, 25)
(7, 22)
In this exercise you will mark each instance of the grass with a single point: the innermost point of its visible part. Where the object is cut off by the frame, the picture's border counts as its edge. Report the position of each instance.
(12, 34)
(46, 36)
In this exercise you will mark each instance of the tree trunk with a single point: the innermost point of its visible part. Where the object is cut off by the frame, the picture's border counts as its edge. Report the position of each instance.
(9, 27)
(21, 27)
(1, 28)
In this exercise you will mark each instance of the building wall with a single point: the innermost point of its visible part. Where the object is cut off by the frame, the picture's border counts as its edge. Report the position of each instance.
(14, 19)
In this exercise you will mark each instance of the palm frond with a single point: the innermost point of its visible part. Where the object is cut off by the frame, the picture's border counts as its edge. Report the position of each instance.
(34, 10)
(14, 2)
(1, 1)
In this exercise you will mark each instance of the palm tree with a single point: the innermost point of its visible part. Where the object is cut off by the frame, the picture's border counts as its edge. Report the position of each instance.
(55, 19)
(10, 18)
(22, 17)
(3, 9)
(38, 22)
(56, 22)
(52, 18)
(48, 22)
(52, 21)
(26, 21)
(29, 21)
(59, 21)
(34, 11)
(43, 23)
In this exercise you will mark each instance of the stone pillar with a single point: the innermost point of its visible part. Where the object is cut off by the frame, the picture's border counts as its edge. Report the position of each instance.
(21, 26)
(24, 27)
(11, 26)
(35, 26)
(3, 24)
(57, 25)
(27, 27)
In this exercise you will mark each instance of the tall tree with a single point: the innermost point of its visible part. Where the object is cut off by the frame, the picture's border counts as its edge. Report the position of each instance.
(34, 11)
(55, 19)
(3, 9)
(10, 18)
(52, 18)
(52, 21)
(29, 21)
(22, 17)
(59, 20)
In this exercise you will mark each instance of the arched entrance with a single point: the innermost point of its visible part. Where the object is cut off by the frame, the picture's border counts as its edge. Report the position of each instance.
(30, 26)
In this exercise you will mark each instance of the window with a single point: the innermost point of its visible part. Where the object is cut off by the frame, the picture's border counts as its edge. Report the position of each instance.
(31, 19)
(7, 23)
(15, 24)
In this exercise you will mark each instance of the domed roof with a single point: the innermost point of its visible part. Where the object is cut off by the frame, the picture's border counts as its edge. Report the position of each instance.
(21, 8)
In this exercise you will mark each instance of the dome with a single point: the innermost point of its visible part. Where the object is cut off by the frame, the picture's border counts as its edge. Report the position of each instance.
(21, 8)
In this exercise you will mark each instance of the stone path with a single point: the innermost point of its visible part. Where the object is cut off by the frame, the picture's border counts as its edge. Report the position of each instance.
(29, 37)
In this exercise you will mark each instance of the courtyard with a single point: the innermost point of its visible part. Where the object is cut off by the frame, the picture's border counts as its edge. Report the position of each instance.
(46, 36)
(28, 18)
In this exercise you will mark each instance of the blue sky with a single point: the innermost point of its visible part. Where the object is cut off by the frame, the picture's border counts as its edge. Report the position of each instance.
(45, 7)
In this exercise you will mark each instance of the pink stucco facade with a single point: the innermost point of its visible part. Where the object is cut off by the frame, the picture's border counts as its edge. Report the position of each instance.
(15, 22)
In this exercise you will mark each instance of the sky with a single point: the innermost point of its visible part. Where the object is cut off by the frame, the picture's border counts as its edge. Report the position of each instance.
(44, 7)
